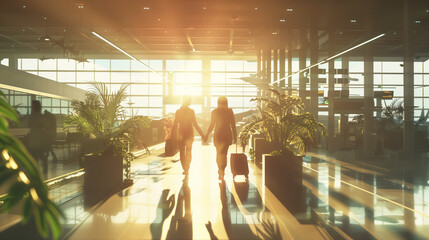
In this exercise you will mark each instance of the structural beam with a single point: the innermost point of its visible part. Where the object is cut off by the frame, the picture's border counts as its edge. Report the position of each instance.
(302, 63)
(408, 137)
(314, 72)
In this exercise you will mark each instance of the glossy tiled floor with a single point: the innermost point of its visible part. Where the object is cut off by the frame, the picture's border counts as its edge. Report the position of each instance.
(162, 204)
(345, 198)
(366, 200)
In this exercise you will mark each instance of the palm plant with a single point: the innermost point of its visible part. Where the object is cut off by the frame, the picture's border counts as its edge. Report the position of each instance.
(19, 170)
(282, 125)
(103, 116)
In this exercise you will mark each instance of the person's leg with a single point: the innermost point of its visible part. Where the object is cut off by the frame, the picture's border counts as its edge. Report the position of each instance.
(182, 154)
(188, 153)
(221, 159)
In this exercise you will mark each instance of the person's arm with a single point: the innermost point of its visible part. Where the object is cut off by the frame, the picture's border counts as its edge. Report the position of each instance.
(194, 122)
(211, 125)
(234, 129)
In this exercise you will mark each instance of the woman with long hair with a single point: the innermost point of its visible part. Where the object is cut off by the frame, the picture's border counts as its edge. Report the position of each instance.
(223, 122)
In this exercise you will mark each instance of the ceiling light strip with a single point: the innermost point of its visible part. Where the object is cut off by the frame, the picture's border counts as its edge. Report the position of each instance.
(129, 55)
(333, 57)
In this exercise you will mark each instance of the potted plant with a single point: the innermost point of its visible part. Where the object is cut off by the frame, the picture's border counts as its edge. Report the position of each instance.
(292, 133)
(21, 183)
(102, 119)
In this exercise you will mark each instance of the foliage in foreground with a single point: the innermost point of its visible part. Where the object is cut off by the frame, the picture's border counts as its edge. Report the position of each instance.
(19, 170)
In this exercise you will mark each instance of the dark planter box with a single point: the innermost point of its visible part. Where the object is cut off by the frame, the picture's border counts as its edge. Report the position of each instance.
(103, 177)
(393, 140)
(282, 175)
(261, 146)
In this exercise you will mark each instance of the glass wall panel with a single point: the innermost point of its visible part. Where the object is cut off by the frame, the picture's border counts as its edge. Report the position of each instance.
(120, 65)
(66, 64)
(102, 64)
(4, 62)
(48, 64)
(29, 64)
(66, 77)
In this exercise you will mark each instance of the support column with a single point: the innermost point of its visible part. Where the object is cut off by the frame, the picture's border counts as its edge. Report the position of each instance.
(206, 66)
(408, 136)
(314, 73)
(13, 61)
(282, 68)
(259, 62)
(302, 65)
(275, 66)
(368, 89)
(268, 60)
(331, 86)
(164, 85)
(289, 61)
(344, 118)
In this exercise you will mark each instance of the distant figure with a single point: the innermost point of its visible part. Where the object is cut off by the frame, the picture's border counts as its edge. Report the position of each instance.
(35, 142)
(185, 120)
(222, 120)
(51, 133)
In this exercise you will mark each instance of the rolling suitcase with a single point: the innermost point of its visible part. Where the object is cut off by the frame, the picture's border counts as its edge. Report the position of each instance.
(239, 164)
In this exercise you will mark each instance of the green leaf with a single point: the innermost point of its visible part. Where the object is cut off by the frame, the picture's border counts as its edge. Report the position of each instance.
(26, 211)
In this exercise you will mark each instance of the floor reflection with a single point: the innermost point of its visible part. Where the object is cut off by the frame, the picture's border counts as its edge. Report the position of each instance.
(181, 222)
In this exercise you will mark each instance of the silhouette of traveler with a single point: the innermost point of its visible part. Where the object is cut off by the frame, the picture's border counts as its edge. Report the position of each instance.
(222, 120)
(36, 137)
(51, 133)
(185, 120)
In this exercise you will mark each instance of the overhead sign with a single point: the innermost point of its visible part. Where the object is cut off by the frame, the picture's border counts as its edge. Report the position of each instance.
(383, 94)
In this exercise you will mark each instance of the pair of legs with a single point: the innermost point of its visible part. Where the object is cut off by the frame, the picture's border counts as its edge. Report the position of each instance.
(185, 148)
(221, 158)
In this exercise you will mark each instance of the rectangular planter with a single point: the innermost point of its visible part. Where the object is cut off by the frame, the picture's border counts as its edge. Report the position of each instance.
(103, 177)
(261, 146)
(282, 175)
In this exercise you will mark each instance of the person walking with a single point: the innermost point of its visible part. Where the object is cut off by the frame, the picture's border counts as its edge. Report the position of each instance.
(223, 122)
(185, 121)
(51, 133)
(36, 143)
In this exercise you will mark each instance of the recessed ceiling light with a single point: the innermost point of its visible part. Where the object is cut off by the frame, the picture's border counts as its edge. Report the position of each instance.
(23, 29)
(282, 20)
(159, 19)
(427, 10)
(204, 8)
(353, 20)
(256, 9)
(250, 32)
(23, 6)
(80, 6)
(289, 10)
(418, 21)
(146, 8)
(274, 33)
